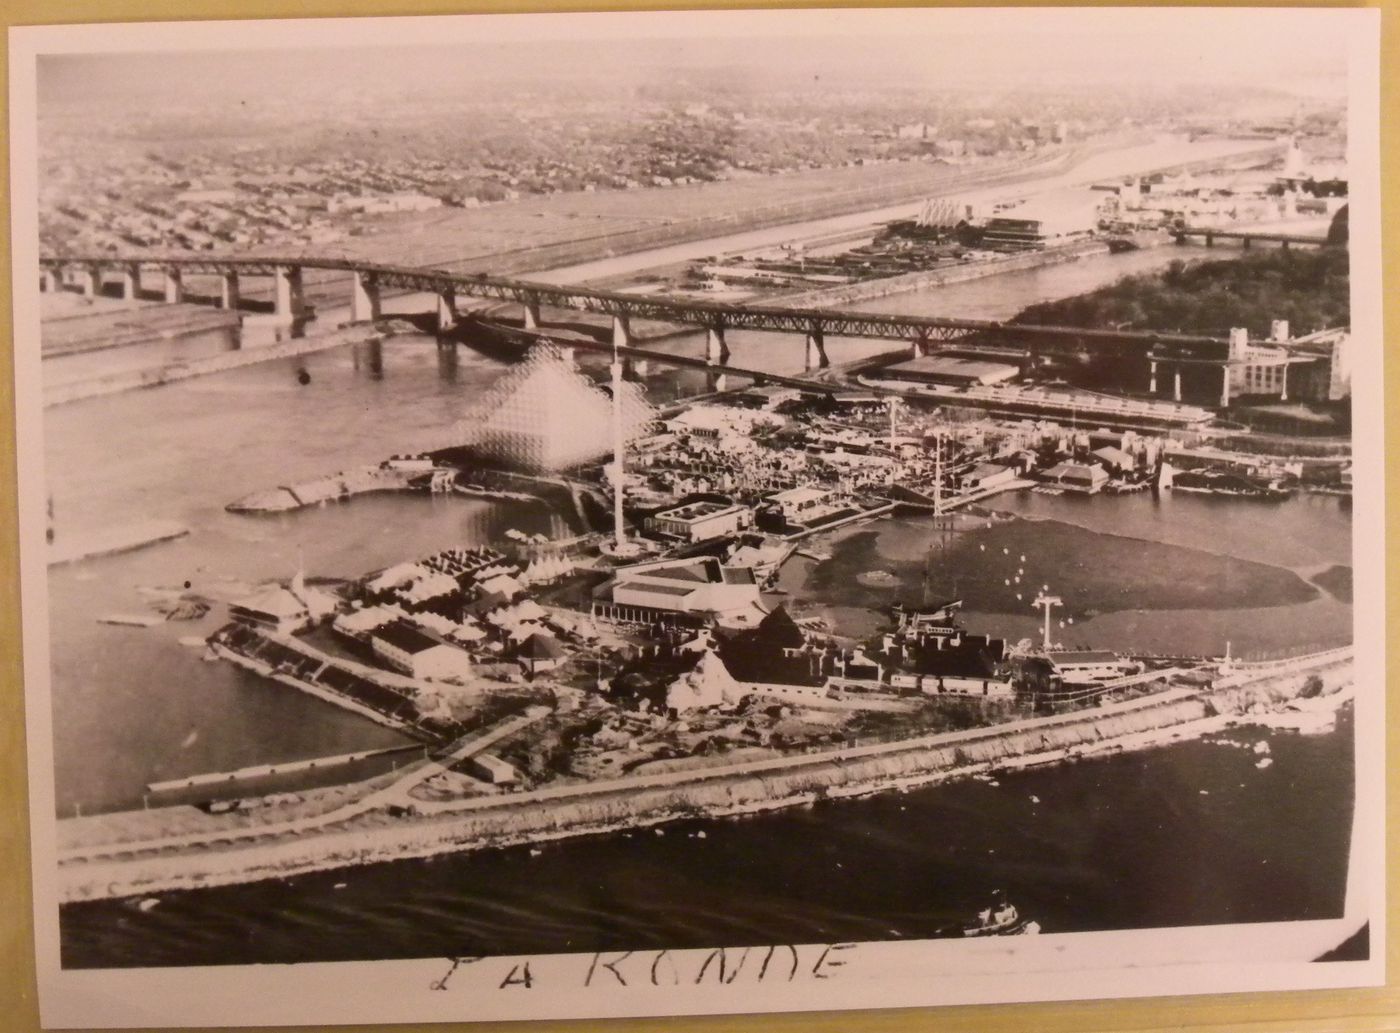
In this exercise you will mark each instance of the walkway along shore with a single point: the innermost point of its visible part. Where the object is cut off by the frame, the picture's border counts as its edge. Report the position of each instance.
(127, 380)
(355, 834)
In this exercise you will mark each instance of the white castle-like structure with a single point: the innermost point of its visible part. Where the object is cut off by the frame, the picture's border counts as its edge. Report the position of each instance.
(544, 415)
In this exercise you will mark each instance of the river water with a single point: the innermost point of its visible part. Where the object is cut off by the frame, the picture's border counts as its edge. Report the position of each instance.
(1118, 843)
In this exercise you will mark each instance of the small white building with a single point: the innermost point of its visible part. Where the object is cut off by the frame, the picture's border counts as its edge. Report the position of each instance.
(490, 768)
(795, 503)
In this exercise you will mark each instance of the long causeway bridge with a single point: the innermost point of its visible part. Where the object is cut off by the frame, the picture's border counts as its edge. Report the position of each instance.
(1248, 237)
(88, 273)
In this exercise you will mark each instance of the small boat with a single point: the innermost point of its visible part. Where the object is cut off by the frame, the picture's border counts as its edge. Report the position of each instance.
(1001, 919)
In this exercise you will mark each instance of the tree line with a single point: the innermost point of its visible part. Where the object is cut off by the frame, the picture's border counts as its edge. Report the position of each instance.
(1309, 288)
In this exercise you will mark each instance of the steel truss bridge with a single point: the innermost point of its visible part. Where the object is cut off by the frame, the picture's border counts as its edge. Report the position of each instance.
(717, 317)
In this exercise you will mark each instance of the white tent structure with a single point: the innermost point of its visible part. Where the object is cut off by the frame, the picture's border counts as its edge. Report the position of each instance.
(545, 415)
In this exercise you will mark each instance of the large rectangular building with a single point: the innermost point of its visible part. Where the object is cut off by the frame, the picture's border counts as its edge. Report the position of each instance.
(952, 370)
(1043, 221)
(701, 521)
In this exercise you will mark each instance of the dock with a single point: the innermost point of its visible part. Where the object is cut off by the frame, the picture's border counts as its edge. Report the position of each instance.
(112, 540)
(224, 779)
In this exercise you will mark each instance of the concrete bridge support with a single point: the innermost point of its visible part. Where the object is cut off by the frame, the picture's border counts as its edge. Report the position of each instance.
(717, 382)
(1176, 384)
(716, 349)
(622, 332)
(1224, 387)
(289, 305)
(364, 299)
(174, 287)
(1152, 378)
(131, 283)
(531, 318)
(90, 280)
(446, 310)
(816, 352)
(228, 290)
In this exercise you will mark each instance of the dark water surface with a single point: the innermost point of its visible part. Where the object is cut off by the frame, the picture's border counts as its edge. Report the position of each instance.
(1188, 834)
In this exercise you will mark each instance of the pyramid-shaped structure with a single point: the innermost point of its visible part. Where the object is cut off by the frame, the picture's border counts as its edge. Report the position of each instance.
(545, 415)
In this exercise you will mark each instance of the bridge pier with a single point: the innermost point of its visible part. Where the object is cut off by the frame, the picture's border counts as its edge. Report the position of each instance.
(289, 305)
(815, 357)
(174, 287)
(622, 332)
(90, 280)
(131, 283)
(1176, 384)
(228, 290)
(717, 382)
(1225, 387)
(1210, 240)
(446, 309)
(364, 299)
(1152, 378)
(531, 317)
(716, 349)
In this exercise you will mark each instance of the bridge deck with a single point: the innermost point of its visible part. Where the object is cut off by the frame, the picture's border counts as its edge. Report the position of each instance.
(716, 315)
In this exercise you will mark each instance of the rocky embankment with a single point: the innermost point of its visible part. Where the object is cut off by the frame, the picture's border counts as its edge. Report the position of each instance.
(571, 810)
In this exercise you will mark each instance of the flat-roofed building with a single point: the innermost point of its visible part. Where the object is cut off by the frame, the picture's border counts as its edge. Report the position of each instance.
(952, 370)
(1091, 665)
(794, 503)
(1052, 219)
(701, 520)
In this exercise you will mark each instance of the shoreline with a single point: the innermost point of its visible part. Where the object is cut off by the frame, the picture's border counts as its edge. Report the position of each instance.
(570, 811)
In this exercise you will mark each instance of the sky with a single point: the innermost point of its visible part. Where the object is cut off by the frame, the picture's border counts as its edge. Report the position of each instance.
(1295, 50)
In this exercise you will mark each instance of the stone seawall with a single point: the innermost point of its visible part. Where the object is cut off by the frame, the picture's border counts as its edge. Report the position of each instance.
(130, 380)
(564, 811)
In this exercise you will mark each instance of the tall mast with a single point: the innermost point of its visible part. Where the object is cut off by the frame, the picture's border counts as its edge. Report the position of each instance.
(619, 451)
(938, 476)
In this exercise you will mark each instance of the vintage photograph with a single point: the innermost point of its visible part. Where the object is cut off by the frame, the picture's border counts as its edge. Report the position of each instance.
(712, 511)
